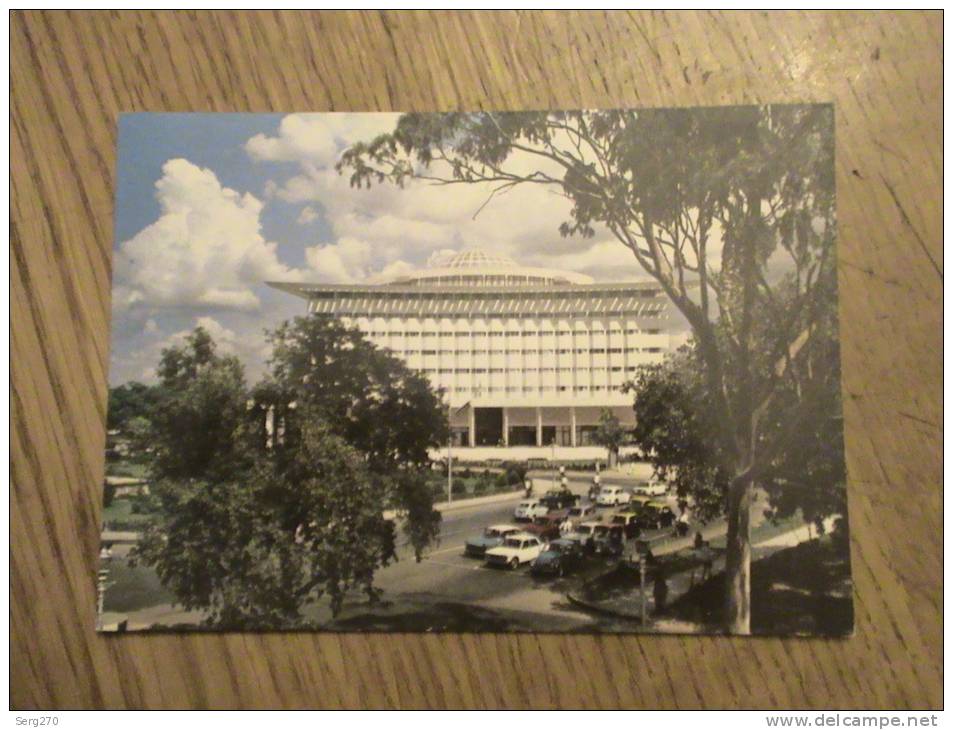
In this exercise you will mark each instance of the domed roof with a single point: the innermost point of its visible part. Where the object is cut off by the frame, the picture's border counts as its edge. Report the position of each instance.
(476, 268)
(476, 258)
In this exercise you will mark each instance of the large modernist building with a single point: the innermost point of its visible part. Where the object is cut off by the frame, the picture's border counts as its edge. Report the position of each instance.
(526, 357)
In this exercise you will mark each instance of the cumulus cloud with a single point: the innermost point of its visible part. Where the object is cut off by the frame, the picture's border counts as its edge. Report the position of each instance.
(205, 249)
(139, 362)
(317, 138)
(397, 227)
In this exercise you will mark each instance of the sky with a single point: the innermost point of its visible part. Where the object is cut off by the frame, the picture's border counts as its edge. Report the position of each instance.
(211, 206)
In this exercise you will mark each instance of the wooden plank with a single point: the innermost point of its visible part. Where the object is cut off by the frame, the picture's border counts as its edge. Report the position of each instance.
(71, 73)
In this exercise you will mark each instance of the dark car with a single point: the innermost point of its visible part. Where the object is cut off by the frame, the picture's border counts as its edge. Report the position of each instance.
(547, 528)
(655, 516)
(560, 558)
(608, 541)
(557, 499)
(629, 522)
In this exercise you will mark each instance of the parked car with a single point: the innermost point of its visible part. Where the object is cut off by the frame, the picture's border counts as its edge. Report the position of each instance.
(547, 528)
(559, 558)
(612, 497)
(608, 540)
(529, 509)
(637, 502)
(515, 550)
(559, 499)
(628, 521)
(580, 513)
(584, 533)
(651, 488)
(655, 516)
(492, 536)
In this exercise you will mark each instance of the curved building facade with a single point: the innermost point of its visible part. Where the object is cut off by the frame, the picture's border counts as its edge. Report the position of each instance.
(526, 357)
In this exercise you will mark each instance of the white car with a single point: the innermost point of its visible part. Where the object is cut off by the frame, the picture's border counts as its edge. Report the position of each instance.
(529, 509)
(651, 488)
(584, 533)
(516, 550)
(612, 497)
(580, 513)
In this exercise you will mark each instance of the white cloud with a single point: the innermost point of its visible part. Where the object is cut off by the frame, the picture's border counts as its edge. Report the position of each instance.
(251, 347)
(307, 215)
(318, 138)
(205, 249)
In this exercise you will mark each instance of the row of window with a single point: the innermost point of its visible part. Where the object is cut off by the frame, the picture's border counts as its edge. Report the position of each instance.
(565, 351)
(479, 371)
(579, 312)
(534, 389)
(511, 333)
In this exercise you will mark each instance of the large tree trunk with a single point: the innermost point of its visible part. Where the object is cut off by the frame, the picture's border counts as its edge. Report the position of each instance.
(738, 558)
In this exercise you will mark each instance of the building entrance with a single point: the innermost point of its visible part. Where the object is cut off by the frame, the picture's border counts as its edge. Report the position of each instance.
(489, 426)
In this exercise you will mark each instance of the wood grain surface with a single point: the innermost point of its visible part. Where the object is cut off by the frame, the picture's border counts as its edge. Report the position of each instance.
(73, 73)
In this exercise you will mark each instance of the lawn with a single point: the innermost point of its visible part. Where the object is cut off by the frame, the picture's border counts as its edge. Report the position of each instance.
(127, 469)
(133, 589)
(805, 589)
(120, 516)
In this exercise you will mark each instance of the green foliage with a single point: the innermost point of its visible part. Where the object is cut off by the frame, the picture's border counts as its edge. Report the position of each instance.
(252, 553)
(198, 420)
(265, 501)
(127, 401)
(609, 432)
(363, 393)
(109, 493)
(371, 400)
(515, 473)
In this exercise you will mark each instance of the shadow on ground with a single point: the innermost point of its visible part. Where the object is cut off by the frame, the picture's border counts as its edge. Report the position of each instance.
(803, 590)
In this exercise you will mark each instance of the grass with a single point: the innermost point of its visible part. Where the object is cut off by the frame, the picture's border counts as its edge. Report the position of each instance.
(119, 516)
(133, 589)
(805, 590)
(127, 469)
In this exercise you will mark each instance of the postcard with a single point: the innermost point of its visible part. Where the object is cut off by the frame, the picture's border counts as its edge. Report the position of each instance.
(554, 371)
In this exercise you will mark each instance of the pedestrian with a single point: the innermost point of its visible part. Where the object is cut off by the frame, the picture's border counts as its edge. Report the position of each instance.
(707, 562)
(660, 592)
(529, 487)
(681, 526)
(699, 541)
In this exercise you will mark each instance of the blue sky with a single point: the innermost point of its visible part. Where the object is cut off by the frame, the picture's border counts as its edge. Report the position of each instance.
(211, 206)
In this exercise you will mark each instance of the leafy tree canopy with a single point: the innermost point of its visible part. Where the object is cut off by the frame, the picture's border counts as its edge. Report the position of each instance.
(269, 498)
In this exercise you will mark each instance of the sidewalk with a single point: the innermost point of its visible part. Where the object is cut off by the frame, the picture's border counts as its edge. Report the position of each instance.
(620, 595)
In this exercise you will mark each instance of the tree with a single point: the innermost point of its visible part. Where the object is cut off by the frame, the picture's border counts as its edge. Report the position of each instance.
(253, 553)
(371, 400)
(704, 199)
(200, 414)
(269, 498)
(610, 434)
(128, 401)
(674, 431)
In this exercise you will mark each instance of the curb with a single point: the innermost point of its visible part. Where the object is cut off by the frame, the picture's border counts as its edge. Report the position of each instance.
(465, 503)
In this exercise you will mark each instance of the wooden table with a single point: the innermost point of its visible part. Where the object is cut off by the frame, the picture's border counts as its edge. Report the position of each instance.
(72, 73)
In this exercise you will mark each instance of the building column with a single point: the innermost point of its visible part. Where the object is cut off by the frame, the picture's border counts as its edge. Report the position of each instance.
(506, 427)
(539, 426)
(471, 432)
(572, 421)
